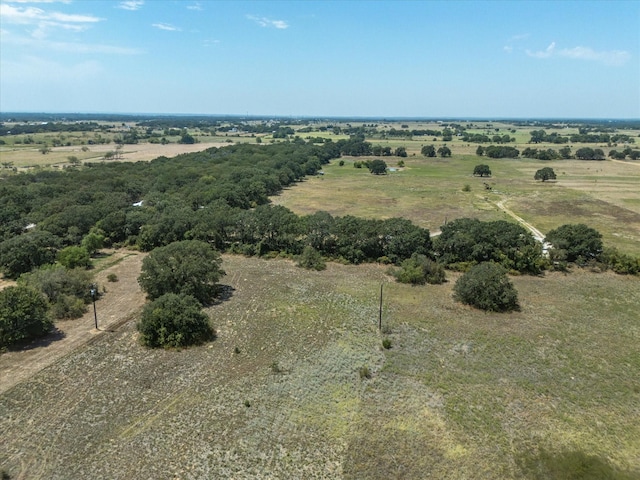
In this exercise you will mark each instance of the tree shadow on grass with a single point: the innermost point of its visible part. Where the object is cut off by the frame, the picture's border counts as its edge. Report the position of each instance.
(571, 465)
(223, 294)
(55, 335)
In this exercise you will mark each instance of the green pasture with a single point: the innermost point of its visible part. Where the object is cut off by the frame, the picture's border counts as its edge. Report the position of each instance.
(604, 195)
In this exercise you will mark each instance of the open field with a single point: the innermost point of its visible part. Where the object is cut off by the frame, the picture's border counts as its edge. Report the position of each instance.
(461, 394)
(23, 157)
(604, 195)
(297, 383)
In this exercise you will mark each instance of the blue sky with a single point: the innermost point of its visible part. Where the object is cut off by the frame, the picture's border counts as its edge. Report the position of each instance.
(489, 59)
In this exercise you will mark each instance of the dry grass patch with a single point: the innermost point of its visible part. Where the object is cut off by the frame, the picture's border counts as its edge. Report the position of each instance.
(462, 393)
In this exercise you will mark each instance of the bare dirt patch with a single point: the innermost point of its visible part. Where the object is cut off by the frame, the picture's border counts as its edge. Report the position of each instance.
(119, 303)
(149, 151)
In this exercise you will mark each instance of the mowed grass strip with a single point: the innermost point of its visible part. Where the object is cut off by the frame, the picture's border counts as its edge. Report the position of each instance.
(460, 393)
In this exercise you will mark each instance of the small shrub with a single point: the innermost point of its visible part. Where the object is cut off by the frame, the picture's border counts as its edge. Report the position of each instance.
(386, 343)
(247, 403)
(466, 188)
(67, 307)
(236, 350)
(311, 259)
(276, 368)
(364, 373)
(341, 163)
(419, 270)
(112, 277)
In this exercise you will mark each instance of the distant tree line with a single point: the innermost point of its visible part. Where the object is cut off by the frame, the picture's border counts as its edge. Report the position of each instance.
(583, 136)
(48, 127)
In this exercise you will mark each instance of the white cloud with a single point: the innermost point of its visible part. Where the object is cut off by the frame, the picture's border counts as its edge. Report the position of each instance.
(548, 52)
(131, 4)
(165, 26)
(196, 6)
(44, 20)
(611, 57)
(267, 22)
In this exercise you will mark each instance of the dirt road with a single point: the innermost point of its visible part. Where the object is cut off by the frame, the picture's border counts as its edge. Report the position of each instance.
(122, 300)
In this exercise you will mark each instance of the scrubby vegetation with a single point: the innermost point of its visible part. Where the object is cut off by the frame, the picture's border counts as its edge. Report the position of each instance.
(173, 321)
(487, 287)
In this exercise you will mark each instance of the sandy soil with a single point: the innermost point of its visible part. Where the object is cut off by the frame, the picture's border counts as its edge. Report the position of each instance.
(118, 304)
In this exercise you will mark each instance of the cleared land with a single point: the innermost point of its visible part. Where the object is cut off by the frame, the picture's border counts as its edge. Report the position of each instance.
(429, 191)
(119, 302)
(461, 394)
(29, 157)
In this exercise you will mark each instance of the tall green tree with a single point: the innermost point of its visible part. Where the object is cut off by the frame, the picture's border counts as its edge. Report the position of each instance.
(378, 167)
(577, 241)
(188, 267)
(25, 252)
(428, 151)
(74, 257)
(482, 170)
(545, 174)
(23, 315)
(444, 151)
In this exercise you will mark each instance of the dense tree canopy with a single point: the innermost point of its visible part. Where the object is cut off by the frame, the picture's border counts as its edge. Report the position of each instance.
(494, 151)
(188, 267)
(576, 242)
(444, 151)
(418, 270)
(467, 240)
(588, 153)
(23, 315)
(25, 252)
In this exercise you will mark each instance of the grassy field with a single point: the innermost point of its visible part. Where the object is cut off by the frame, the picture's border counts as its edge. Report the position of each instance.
(282, 392)
(298, 384)
(604, 195)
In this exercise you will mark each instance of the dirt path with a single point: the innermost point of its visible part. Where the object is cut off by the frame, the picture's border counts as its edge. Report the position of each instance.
(537, 234)
(637, 164)
(121, 302)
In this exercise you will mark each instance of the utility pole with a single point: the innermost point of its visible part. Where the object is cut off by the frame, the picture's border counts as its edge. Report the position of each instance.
(94, 292)
(380, 312)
